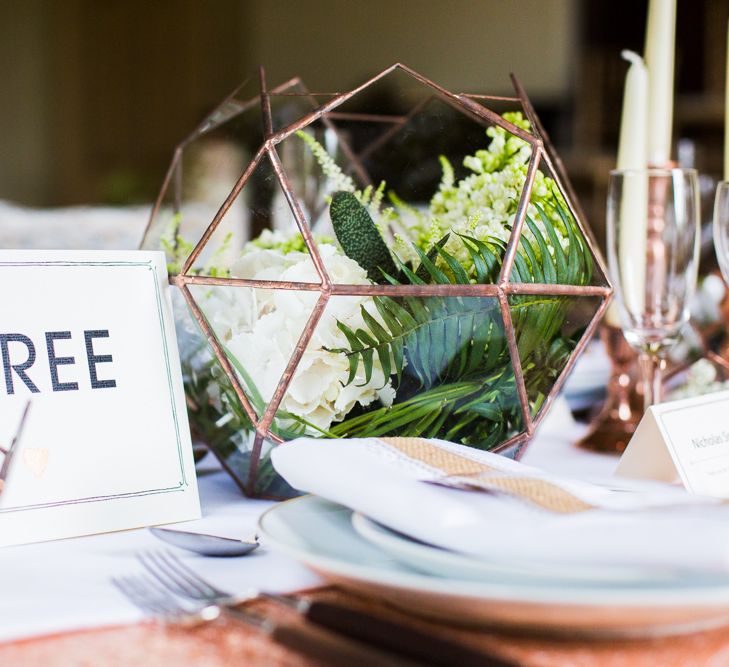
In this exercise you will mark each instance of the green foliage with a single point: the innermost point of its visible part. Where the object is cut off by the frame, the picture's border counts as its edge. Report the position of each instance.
(175, 246)
(178, 249)
(481, 412)
(359, 237)
(435, 338)
(449, 355)
(543, 260)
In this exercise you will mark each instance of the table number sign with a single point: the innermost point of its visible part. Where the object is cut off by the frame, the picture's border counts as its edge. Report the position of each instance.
(686, 441)
(89, 338)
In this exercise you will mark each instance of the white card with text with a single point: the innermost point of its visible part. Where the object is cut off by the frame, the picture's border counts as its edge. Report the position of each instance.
(686, 441)
(88, 337)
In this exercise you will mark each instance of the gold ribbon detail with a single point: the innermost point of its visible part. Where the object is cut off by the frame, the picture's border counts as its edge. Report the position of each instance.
(464, 473)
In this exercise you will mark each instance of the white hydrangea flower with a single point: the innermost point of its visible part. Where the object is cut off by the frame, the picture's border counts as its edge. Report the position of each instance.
(261, 328)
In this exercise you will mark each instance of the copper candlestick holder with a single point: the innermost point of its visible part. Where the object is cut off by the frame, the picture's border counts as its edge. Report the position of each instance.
(611, 430)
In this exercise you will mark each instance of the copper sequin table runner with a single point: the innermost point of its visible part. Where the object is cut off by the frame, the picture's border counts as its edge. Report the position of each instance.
(225, 643)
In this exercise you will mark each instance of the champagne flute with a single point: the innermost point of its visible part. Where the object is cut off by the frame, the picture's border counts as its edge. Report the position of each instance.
(653, 252)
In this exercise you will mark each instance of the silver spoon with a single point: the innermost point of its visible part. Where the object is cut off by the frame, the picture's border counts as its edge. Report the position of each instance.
(205, 545)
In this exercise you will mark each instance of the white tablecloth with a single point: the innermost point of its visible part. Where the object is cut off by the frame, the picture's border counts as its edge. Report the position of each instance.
(73, 228)
(65, 585)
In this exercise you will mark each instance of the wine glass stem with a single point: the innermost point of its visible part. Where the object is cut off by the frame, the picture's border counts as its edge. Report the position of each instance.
(652, 366)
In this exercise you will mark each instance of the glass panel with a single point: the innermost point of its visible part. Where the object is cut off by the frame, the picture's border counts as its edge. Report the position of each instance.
(207, 168)
(422, 169)
(548, 329)
(553, 248)
(257, 237)
(434, 367)
(292, 101)
(258, 330)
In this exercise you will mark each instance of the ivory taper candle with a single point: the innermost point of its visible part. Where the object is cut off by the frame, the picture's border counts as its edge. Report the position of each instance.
(660, 46)
(632, 154)
(632, 146)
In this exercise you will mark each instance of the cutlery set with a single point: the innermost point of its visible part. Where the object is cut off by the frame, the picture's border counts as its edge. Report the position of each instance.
(331, 633)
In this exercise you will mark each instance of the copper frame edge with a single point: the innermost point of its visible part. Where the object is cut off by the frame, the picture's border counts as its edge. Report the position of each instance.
(492, 98)
(522, 437)
(521, 210)
(415, 290)
(516, 362)
(586, 230)
(470, 105)
(288, 374)
(555, 290)
(176, 157)
(253, 469)
(559, 174)
(364, 117)
(263, 429)
(475, 290)
(247, 282)
(244, 105)
(386, 136)
(265, 104)
(349, 153)
(298, 214)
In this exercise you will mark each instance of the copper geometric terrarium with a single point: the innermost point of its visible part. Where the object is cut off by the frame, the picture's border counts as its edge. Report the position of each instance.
(490, 288)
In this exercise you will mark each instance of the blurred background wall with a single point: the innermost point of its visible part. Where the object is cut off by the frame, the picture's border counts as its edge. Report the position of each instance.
(96, 93)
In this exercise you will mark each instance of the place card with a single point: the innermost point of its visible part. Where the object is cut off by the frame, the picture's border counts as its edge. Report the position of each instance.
(88, 337)
(683, 441)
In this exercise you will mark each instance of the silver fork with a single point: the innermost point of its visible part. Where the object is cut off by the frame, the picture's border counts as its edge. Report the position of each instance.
(325, 647)
(387, 635)
(180, 579)
(151, 598)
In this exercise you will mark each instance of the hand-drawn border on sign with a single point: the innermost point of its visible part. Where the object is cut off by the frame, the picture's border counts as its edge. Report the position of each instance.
(150, 266)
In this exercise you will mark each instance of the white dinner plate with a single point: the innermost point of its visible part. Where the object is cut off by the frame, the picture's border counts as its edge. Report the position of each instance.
(319, 534)
(444, 563)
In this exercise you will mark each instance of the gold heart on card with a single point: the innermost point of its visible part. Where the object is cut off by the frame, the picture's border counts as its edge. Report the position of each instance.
(36, 460)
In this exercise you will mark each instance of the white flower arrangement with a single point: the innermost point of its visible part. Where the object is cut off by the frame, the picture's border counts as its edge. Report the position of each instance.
(261, 328)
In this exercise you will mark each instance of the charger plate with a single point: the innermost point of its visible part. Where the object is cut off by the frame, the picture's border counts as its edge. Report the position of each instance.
(319, 534)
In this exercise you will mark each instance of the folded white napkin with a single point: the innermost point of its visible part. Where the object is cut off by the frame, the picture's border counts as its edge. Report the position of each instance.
(526, 514)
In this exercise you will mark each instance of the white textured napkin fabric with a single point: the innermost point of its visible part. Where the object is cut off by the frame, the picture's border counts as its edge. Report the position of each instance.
(607, 522)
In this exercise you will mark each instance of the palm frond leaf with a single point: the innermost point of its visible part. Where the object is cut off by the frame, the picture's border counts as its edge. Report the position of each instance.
(449, 356)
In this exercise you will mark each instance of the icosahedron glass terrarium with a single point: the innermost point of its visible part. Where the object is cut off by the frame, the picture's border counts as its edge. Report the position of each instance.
(397, 260)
